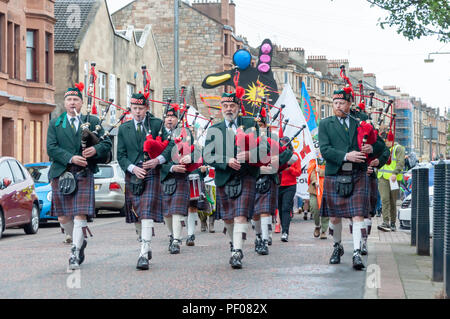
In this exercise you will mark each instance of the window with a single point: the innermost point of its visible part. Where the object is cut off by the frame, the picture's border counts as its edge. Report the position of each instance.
(130, 90)
(39, 173)
(5, 171)
(106, 171)
(322, 88)
(323, 112)
(2, 39)
(31, 55)
(17, 51)
(17, 172)
(48, 58)
(10, 53)
(225, 45)
(308, 83)
(102, 85)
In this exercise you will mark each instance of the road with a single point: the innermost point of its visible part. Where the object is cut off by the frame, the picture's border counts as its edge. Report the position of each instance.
(35, 266)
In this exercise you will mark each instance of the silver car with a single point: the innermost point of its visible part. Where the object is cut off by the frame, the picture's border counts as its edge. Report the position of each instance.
(110, 188)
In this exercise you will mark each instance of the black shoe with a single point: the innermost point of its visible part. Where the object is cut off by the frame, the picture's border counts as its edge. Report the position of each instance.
(149, 254)
(357, 260)
(190, 241)
(364, 250)
(285, 237)
(236, 259)
(175, 247)
(337, 254)
(393, 228)
(269, 242)
(74, 261)
(305, 216)
(82, 251)
(258, 242)
(142, 263)
(264, 250)
(384, 227)
(170, 241)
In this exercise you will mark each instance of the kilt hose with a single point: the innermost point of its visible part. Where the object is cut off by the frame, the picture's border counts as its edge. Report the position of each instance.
(373, 182)
(241, 206)
(178, 202)
(145, 206)
(82, 202)
(357, 204)
(268, 202)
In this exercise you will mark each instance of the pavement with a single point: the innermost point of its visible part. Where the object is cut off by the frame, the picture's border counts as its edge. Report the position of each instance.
(397, 271)
(35, 266)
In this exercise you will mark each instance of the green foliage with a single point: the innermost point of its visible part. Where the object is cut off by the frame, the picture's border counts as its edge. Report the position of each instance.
(417, 18)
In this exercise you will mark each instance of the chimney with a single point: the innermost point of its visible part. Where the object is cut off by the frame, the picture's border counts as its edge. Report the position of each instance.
(371, 79)
(224, 11)
(357, 73)
(318, 63)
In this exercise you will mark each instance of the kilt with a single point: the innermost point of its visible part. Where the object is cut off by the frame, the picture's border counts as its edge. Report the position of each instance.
(242, 206)
(268, 202)
(82, 202)
(355, 205)
(178, 203)
(373, 182)
(145, 206)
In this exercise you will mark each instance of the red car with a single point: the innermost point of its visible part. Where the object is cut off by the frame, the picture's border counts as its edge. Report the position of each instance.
(19, 204)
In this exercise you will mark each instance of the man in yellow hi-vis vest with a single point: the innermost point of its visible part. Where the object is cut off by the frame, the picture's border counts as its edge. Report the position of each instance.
(388, 174)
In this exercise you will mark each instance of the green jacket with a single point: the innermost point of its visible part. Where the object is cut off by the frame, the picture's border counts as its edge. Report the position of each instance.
(63, 144)
(130, 150)
(335, 143)
(218, 156)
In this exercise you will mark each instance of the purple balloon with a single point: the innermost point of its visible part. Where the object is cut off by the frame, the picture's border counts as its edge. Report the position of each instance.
(266, 48)
(264, 68)
(265, 58)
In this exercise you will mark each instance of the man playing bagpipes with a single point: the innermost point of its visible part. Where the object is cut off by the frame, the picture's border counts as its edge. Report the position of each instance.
(235, 179)
(267, 182)
(175, 181)
(72, 170)
(142, 170)
(346, 185)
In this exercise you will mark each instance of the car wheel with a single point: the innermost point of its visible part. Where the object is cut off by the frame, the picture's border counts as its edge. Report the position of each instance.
(122, 212)
(33, 227)
(2, 223)
(90, 219)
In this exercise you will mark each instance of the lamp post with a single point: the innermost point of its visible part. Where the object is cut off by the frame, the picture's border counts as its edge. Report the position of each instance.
(430, 60)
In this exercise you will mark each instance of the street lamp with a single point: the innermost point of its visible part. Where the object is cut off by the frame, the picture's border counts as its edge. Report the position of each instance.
(430, 60)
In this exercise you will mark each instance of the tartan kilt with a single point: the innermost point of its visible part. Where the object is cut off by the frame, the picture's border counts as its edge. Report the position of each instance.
(82, 202)
(178, 203)
(373, 182)
(145, 206)
(244, 205)
(268, 202)
(355, 205)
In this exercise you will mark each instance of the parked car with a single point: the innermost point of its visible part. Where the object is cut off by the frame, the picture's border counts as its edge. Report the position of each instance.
(19, 204)
(110, 188)
(404, 212)
(39, 173)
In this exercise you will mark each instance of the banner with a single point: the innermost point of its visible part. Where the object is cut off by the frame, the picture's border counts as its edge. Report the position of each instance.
(303, 144)
(308, 111)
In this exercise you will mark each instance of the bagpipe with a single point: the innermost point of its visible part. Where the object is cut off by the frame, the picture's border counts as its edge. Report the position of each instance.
(368, 129)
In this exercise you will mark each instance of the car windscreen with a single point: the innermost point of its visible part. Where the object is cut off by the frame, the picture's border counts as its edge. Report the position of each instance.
(104, 172)
(39, 173)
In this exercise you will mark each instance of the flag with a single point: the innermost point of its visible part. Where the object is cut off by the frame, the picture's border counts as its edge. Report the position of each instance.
(308, 111)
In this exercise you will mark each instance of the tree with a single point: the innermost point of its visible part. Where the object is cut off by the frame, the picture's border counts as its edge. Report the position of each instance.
(417, 18)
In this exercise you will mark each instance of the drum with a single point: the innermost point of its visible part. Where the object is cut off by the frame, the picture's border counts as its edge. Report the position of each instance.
(194, 186)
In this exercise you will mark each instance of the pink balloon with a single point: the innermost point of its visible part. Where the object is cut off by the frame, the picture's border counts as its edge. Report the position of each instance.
(264, 67)
(265, 58)
(266, 48)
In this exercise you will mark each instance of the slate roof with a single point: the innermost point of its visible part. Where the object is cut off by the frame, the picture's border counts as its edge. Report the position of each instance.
(66, 30)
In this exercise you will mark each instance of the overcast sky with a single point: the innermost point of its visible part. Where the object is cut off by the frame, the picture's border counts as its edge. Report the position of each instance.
(347, 29)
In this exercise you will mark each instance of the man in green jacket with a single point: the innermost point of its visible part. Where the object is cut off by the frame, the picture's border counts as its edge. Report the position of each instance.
(142, 175)
(346, 185)
(66, 154)
(235, 178)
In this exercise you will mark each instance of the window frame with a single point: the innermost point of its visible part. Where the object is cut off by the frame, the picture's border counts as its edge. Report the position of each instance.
(33, 70)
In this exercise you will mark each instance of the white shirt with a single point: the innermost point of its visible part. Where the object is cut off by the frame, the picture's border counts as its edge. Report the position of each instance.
(227, 124)
(76, 123)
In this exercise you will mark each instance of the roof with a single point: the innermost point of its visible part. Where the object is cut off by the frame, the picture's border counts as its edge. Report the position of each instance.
(68, 26)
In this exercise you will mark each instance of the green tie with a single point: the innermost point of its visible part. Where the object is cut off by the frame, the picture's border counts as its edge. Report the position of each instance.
(72, 120)
(139, 129)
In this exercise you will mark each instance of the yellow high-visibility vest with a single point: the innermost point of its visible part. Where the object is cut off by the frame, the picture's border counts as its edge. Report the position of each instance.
(387, 170)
